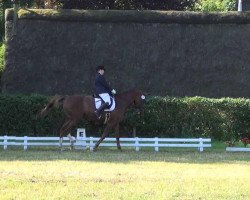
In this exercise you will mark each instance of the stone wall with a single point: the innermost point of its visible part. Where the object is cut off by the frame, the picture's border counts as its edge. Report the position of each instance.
(161, 52)
(245, 5)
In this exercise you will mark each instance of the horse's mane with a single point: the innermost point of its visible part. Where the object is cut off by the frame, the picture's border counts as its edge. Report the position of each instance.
(134, 90)
(127, 95)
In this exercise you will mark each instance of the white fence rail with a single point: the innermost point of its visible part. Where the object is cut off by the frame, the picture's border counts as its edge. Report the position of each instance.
(156, 142)
(26, 141)
(84, 142)
(238, 149)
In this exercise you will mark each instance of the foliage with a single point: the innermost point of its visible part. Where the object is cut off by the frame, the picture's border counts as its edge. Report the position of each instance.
(18, 115)
(105, 4)
(215, 5)
(128, 4)
(221, 119)
(2, 48)
(8, 4)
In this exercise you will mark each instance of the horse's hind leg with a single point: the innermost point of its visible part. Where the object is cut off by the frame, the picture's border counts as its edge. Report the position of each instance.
(64, 129)
(118, 138)
(72, 140)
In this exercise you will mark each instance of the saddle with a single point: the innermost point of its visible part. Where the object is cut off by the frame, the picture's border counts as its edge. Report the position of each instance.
(99, 102)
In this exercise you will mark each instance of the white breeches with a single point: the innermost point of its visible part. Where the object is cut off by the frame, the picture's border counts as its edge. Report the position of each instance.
(105, 97)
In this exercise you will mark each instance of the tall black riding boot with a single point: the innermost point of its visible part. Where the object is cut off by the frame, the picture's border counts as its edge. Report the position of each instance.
(99, 111)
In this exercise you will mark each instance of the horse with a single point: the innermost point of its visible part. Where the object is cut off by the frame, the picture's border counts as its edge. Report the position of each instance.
(77, 107)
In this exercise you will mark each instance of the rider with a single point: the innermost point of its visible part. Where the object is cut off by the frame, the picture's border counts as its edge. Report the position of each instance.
(102, 89)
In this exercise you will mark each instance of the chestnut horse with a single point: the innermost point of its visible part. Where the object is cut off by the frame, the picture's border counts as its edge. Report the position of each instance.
(76, 107)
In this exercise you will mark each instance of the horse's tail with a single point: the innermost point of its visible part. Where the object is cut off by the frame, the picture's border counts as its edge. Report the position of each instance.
(55, 101)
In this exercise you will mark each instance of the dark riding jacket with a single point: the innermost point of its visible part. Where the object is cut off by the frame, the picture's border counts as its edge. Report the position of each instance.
(101, 85)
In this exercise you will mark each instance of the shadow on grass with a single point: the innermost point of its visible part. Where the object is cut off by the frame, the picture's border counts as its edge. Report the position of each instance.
(112, 155)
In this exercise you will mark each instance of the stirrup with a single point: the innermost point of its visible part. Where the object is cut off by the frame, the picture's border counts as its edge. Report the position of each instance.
(97, 114)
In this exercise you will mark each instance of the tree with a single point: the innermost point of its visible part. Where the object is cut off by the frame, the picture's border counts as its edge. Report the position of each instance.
(128, 4)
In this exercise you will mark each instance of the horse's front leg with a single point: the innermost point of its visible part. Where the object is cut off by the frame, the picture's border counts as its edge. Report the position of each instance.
(117, 133)
(105, 133)
(62, 131)
(72, 140)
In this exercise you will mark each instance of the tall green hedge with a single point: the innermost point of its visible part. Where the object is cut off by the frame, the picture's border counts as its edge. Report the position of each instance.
(220, 119)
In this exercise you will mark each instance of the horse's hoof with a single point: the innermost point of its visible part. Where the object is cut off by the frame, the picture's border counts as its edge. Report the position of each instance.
(87, 148)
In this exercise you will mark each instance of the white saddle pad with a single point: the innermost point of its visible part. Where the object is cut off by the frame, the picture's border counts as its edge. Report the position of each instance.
(98, 103)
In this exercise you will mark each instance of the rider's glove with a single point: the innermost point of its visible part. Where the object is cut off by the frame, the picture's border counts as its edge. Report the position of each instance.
(113, 91)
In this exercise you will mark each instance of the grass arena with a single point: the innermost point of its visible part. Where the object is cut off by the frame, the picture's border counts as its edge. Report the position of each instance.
(47, 173)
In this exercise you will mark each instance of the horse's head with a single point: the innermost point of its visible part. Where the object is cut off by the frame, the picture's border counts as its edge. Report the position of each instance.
(139, 100)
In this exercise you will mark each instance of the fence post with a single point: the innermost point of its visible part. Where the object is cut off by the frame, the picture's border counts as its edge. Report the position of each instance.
(5, 142)
(156, 144)
(137, 148)
(84, 144)
(25, 143)
(91, 144)
(201, 144)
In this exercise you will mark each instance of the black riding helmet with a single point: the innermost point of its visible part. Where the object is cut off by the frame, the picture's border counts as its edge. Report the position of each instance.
(100, 67)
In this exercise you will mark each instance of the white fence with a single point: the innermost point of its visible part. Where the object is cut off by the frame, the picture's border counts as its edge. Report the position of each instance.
(26, 141)
(156, 143)
(84, 142)
(238, 149)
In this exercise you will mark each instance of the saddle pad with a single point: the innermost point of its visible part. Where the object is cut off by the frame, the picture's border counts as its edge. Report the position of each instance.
(98, 103)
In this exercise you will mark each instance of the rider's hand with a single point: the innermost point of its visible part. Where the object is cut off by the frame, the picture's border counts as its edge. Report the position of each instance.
(113, 91)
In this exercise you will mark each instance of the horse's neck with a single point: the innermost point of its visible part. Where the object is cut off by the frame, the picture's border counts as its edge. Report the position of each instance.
(126, 99)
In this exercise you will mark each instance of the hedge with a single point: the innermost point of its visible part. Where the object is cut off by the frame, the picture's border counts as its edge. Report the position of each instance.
(147, 16)
(221, 119)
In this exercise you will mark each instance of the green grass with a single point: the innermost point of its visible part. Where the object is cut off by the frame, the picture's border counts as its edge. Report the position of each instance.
(109, 174)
